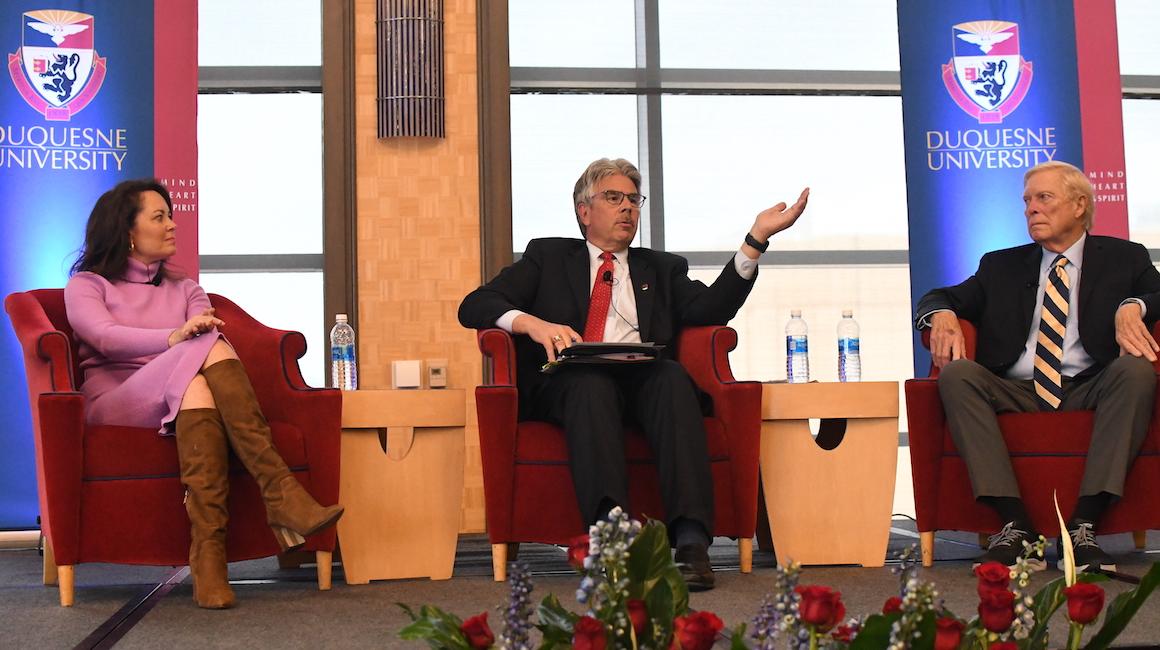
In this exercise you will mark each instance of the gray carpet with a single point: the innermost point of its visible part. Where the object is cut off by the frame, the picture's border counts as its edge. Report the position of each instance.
(283, 608)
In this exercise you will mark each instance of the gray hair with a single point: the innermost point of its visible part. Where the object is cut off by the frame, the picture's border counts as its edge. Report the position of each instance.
(597, 171)
(1075, 181)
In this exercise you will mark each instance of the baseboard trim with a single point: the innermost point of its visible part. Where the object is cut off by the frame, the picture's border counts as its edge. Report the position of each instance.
(19, 539)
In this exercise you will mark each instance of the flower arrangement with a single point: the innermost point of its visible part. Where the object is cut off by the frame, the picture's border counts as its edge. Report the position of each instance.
(635, 598)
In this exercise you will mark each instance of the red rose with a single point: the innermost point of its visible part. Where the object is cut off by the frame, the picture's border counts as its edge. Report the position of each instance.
(996, 610)
(638, 614)
(845, 633)
(893, 604)
(948, 633)
(588, 634)
(1003, 645)
(992, 576)
(695, 631)
(577, 551)
(478, 634)
(1084, 602)
(820, 606)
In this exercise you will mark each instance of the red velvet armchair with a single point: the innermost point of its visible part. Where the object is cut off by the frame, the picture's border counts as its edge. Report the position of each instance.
(1048, 451)
(113, 494)
(526, 479)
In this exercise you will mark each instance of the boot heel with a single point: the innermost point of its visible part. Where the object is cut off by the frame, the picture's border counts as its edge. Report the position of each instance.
(288, 539)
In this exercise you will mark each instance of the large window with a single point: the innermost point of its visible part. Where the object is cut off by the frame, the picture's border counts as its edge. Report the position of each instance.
(260, 163)
(729, 107)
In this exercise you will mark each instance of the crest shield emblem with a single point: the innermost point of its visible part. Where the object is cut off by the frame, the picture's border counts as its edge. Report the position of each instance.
(57, 70)
(987, 76)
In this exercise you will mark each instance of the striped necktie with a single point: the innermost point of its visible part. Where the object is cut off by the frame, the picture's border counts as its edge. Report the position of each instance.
(1052, 326)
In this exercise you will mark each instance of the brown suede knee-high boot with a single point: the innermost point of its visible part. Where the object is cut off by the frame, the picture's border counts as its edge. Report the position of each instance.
(203, 453)
(290, 510)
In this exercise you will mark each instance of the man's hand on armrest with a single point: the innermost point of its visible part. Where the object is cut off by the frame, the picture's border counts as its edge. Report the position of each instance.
(946, 338)
(1132, 334)
(553, 336)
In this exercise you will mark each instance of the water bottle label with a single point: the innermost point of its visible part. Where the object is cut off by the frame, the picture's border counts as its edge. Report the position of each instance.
(796, 345)
(336, 353)
(847, 345)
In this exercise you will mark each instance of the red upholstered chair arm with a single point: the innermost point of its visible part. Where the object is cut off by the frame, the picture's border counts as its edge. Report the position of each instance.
(924, 412)
(704, 352)
(60, 468)
(499, 355)
(970, 335)
(47, 351)
(497, 410)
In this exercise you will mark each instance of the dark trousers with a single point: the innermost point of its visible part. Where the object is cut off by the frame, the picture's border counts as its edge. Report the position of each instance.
(593, 404)
(1121, 395)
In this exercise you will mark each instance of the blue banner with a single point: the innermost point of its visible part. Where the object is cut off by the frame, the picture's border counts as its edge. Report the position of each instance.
(989, 90)
(76, 117)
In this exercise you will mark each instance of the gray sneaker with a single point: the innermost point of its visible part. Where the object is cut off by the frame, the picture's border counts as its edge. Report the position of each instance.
(1006, 547)
(1087, 552)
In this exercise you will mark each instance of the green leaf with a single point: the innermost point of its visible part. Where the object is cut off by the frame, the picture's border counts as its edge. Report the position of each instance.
(648, 558)
(1047, 600)
(439, 629)
(552, 613)
(1123, 608)
(737, 640)
(659, 602)
(926, 631)
(875, 632)
(650, 563)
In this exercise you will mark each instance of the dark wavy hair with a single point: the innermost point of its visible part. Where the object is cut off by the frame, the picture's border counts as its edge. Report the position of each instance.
(106, 249)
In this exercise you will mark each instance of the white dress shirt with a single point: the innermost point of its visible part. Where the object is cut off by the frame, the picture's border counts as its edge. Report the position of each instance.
(1075, 357)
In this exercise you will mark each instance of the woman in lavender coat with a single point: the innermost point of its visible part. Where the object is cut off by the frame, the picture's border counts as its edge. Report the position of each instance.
(152, 356)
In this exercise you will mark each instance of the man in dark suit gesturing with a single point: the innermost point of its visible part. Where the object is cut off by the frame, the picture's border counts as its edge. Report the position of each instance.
(563, 291)
(1061, 326)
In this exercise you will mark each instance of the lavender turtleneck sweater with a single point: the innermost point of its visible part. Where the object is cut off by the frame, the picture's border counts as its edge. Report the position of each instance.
(131, 375)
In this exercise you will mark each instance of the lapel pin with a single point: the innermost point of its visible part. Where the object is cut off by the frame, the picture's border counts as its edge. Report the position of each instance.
(644, 286)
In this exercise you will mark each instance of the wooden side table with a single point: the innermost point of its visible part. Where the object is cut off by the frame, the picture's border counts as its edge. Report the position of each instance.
(829, 506)
(402, 483)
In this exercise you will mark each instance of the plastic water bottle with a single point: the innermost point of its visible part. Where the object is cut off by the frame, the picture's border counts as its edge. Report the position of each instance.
(849, 360)
(343, 367)
(797, 347)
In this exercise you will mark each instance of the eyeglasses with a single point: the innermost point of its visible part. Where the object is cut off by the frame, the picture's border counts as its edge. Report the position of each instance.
(614, 197)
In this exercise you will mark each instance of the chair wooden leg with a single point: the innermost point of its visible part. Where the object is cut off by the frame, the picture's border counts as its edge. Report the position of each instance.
(50, 574)
(745, 552)
(325, 560)
(67, 582)
(1140, 538)
(926, 544)
(499, 561)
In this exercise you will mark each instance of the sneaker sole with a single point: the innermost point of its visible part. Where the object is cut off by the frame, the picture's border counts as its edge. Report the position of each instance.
(1033, 565)
(1080, 568)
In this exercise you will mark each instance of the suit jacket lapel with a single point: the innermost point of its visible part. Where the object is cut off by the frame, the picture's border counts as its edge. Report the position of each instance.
(578, 266)
(644, 288)
(1093, 260)
(1029, 290)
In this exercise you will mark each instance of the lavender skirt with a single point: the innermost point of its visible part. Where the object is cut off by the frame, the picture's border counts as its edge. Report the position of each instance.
(145, 395)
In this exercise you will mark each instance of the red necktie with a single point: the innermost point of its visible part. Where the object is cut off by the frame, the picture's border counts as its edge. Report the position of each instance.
(598, 304)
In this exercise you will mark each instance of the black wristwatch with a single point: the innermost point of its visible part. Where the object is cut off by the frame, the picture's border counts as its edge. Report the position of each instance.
(758, 246)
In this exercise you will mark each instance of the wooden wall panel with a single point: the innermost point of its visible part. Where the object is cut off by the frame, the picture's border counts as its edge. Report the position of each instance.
(418, 231)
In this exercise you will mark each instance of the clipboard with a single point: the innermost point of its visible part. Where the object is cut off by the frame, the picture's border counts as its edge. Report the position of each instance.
(604, 353)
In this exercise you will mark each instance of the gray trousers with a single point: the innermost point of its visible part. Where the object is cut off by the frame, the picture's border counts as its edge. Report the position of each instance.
(1121, 395)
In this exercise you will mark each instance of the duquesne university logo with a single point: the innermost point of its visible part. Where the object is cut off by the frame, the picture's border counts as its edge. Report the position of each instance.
(987, 76)
(56, 69)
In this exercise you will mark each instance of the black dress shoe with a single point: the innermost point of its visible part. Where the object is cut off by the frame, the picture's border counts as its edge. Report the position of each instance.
(693, 562)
